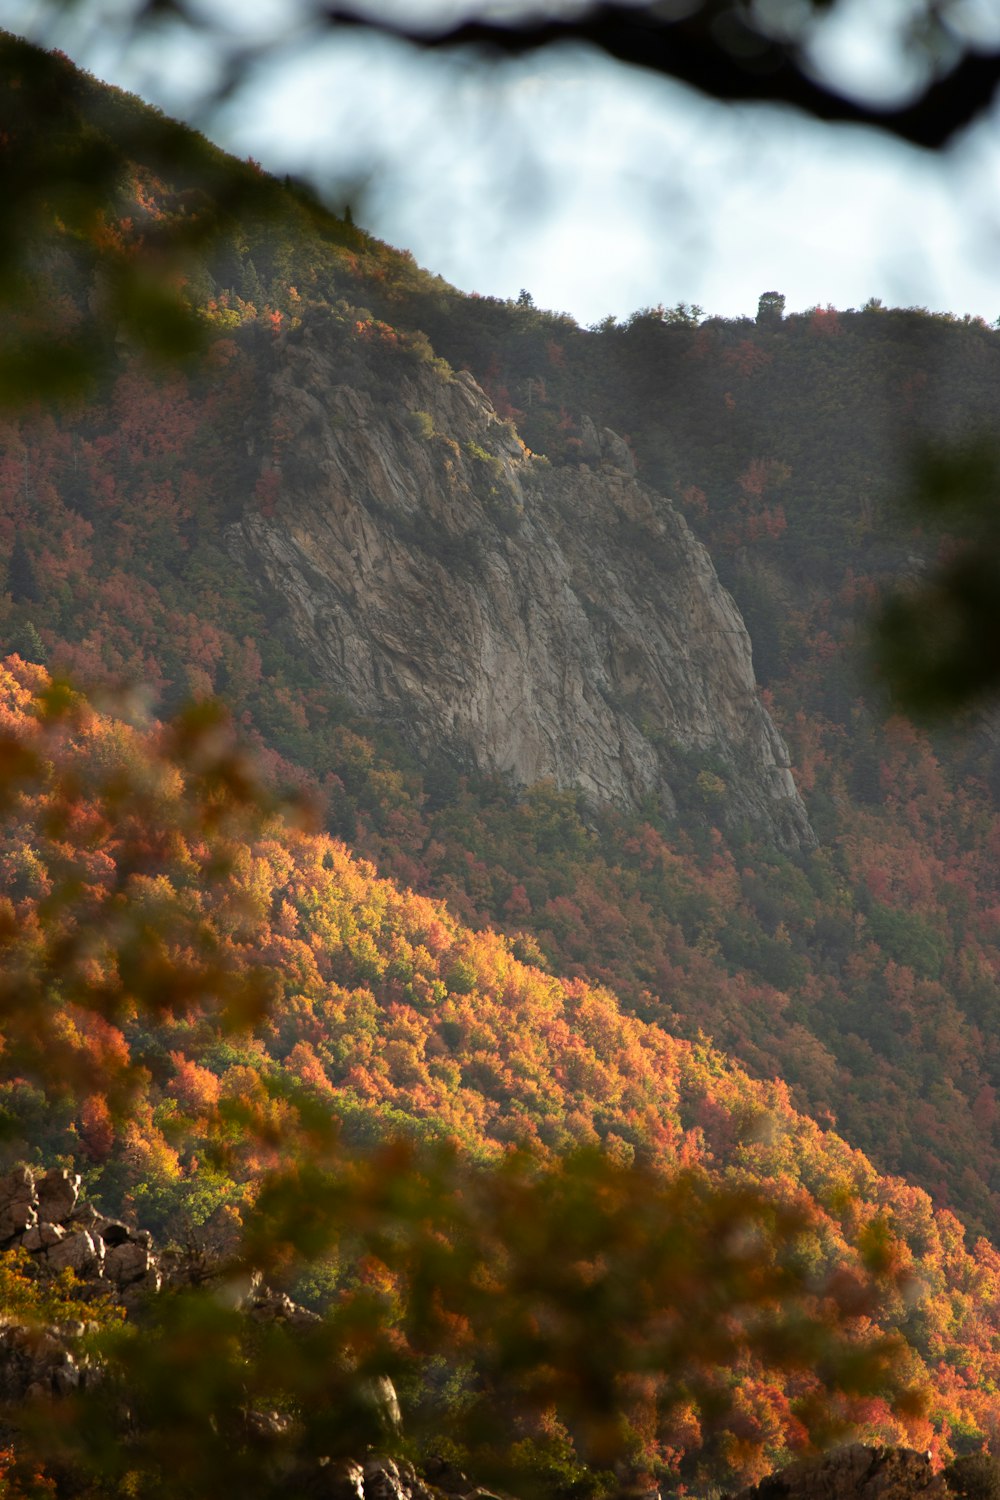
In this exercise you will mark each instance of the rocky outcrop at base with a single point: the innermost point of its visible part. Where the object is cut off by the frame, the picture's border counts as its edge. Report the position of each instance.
(43, 1215)
(855, 1472)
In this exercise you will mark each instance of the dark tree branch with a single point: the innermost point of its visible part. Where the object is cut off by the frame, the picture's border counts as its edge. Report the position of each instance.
(742, 66)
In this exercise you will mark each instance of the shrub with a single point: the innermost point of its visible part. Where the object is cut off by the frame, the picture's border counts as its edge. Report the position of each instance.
(974, 1477)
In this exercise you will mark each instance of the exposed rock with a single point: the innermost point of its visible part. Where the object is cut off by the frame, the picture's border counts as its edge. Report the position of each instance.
(590, 443)
(616, 452)
(43, 1237)
(383, 1480)
(112, 1259)
(386, 1402)
(114, 1232)
(447, 1476)
(57, 1193)
(855, 1472)
(411, 1479)
(38, 1362)
(270, 1425)
(82, 1253)
(18, 1203)
(376, 1478)
(344, 1479)
(84, 1216)
(547, 623)
(126, 1263)
(265, 1306)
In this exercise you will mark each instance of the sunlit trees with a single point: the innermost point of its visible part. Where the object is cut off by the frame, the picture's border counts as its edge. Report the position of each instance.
(200, 989)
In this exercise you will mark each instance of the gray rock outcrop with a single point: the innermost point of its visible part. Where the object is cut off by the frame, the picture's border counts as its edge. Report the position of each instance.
(108, 1258)
(43, 1215)
(855, 1472)
(553, 624)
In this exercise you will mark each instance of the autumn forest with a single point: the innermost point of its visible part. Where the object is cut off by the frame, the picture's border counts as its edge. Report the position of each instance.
(263, 950)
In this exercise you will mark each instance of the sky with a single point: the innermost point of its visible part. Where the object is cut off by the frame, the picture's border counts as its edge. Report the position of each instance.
(597, 188)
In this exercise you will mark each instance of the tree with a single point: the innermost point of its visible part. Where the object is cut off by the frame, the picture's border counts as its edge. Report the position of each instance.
(22, 580)
(585, 1301)
(770, 309)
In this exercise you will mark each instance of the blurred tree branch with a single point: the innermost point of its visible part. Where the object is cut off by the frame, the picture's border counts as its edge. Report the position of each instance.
(729, 54)
(732, 51)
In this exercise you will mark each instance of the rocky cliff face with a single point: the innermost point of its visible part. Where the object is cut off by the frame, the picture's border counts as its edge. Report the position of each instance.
(548, 623)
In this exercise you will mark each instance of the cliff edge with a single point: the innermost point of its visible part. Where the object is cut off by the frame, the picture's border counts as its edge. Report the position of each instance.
(548, 623)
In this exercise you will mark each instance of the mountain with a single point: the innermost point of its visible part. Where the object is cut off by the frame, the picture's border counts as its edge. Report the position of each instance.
(864, 971)
(560, 846)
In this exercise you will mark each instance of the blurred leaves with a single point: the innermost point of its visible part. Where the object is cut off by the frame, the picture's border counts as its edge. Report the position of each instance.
(577, 1294)
(734, 51)
(85, 942)
(937, 642)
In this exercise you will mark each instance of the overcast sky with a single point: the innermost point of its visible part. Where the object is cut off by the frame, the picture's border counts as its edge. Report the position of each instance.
(596, 187)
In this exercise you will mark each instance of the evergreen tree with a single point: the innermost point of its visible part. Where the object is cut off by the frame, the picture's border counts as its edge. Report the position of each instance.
(22, 580)
(770, 309)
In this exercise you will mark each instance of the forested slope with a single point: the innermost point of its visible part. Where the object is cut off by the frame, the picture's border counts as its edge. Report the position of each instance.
(152, 910)
(864, 974)
(861, 973)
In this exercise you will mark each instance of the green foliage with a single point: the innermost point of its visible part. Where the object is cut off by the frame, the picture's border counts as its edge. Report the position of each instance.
(22, 579)
(422, 424)
(937, 639)
(489, 462)
(908, 939)
(974, 1476)
(770, 308)
(33, 1302)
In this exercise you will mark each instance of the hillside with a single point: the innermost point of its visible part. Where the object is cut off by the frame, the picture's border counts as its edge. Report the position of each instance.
(141, 872)
(864, 974)
(565, 890)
